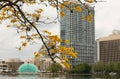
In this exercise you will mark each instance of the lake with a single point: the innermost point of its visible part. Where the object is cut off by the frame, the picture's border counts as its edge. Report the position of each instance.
(57, 77)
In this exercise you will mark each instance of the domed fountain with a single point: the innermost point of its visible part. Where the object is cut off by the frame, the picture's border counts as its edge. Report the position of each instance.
(27, 68)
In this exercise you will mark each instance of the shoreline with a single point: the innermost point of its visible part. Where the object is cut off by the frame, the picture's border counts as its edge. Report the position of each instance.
(40, 73)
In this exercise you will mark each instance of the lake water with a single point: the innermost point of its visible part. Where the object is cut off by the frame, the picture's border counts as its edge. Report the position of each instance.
(56, 77)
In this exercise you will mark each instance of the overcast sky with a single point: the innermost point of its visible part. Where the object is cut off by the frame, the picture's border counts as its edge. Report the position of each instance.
(107, 17)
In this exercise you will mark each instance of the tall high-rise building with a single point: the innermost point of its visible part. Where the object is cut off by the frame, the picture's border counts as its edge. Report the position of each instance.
(79, 29)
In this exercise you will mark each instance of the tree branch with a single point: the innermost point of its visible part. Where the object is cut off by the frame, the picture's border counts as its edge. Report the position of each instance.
(22, 14)
(4, 6)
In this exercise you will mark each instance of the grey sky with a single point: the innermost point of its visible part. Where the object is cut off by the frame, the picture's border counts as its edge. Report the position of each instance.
(107, 17)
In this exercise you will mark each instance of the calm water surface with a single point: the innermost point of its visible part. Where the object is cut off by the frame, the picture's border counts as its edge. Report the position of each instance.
(56, 77)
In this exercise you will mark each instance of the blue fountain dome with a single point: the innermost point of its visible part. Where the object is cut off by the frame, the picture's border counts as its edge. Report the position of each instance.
(27, 68)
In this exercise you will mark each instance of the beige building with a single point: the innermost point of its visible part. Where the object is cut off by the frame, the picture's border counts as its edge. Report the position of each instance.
(43, 63)
(13, 64)
(108, 48)
(10, 66)
(3, 67)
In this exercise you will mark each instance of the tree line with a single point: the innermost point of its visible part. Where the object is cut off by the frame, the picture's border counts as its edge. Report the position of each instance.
(97, 68)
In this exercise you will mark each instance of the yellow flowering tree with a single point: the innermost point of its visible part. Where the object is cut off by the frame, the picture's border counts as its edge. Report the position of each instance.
(24, 21)
(56, 50)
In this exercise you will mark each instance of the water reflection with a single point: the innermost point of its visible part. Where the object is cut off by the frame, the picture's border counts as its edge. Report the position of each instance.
(58, 76)
(79, 77)
(107, 77)
(92, 77)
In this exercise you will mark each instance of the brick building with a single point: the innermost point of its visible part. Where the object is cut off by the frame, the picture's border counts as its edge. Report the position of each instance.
(108, 48)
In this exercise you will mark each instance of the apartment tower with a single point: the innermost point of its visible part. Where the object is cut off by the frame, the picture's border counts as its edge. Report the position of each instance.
(76, 27)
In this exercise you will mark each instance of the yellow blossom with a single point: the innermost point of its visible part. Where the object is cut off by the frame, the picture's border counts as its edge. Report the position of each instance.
(72, 54)
(84, 18)
(66, 65)
(66, 59)
(8, 26)
(24, 44)
(78, 8)
(55, 38)
(6, 16)
(54, 5)
(11, 9)
(34, 34)
(70, 49)
(45, 31)
(90, 17)
(30, 1)
(34, 15)
(62, 6)
(51, 0)
(90, 1)
(39, 10)
(66, 3)
(62, 14)
(62, 48)
(36, 54)
(52, 51)
(1, 17)
(43, 53)
(14, 20)
(19, 48)
(52, 43)
(22, 36)
(67, 41)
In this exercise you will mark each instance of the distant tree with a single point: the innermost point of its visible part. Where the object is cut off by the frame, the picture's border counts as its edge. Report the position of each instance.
(112, 67)
(117, 68)
(55, 67)
(81, 68)
(98, 67)
(109, 67)
(106, 68)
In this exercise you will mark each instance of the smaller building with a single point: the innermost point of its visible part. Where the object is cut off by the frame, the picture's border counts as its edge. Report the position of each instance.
(108, 48)
(43, 63)
(3, 67)
(13, 64)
